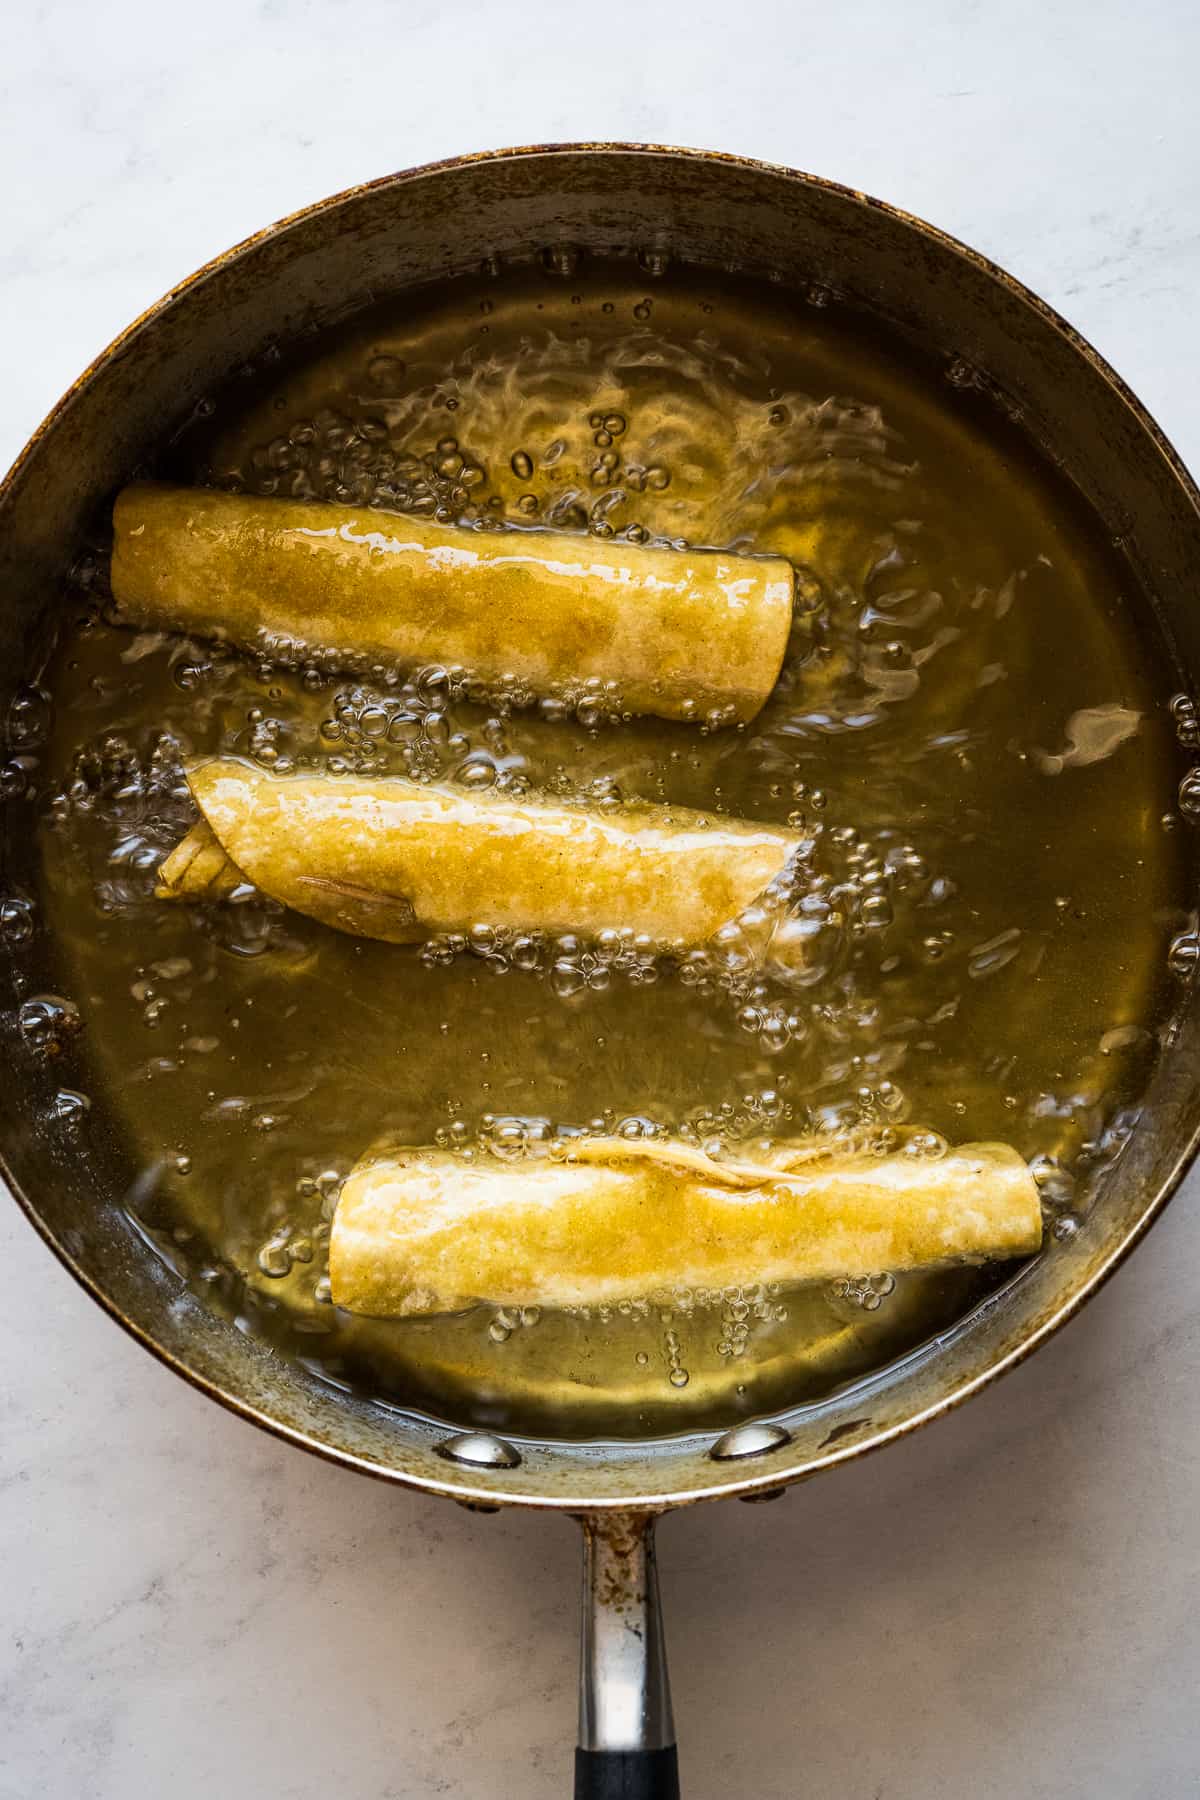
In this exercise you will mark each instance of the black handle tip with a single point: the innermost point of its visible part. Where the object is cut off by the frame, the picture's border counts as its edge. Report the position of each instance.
(627, 1774)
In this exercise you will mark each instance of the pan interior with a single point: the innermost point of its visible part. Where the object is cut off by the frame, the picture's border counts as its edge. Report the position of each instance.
(975, 728)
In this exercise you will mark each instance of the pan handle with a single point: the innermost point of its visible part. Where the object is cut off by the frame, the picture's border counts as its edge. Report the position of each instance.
(626, 1731)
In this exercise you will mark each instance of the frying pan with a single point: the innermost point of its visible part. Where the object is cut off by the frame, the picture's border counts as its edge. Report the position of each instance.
(991, 337)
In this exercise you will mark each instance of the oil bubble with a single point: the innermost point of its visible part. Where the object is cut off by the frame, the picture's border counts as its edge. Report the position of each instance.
(16, 919)
(876, 912)
(928, 1144)
(507, 1139)
(47, 1022)
(433, 685)
(70, 1107)
(525, 953)
(561, 259)
(386, 372)
(275, 1256)
(1187, 719)
(28, 717)
(1183, 958)
(567, 979)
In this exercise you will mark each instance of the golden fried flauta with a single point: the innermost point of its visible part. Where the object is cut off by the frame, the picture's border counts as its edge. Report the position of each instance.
(680, 632)
(423, 1231)
(392, 859)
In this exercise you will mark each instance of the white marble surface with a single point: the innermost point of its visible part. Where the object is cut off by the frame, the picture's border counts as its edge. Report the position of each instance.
(1005, 1606)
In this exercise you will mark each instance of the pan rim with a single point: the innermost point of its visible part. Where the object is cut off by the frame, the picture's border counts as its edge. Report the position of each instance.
(464, 1487)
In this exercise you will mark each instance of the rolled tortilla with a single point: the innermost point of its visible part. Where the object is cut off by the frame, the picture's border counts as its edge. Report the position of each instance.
(422, 1231)
(679, 632)
(392, 859)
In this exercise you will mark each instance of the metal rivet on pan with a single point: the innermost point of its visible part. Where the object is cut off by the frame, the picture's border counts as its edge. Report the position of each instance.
(755, 1439)
(479, 1449)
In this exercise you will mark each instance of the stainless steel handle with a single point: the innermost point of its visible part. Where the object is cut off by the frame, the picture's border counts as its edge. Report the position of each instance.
(626, 1729)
